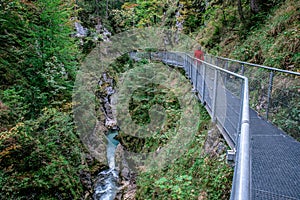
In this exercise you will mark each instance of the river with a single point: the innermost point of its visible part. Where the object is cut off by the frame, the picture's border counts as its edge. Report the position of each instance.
(106, 184)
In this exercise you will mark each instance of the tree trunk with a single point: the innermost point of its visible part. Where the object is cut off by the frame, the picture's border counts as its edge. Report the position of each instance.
(254, 5)
(106, 13)
(240, 9)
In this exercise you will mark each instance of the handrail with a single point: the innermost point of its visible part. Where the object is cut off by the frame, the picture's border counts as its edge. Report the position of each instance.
(242, 175)
(219, 68)
(256, 65)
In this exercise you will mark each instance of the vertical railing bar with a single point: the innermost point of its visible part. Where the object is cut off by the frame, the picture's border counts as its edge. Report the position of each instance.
(192, 66)
(269, 93)
(214, 96)
(242, 70)
(241, 110)
(189, 66)
(196, 84)
(184, 63)
(226, 67)
(203, 83)
(190, 71)
(241, 103)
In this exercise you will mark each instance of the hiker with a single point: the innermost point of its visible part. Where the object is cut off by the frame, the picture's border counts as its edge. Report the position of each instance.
(199, 54)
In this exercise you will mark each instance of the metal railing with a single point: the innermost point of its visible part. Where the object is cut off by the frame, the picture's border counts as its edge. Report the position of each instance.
(225, 95)
(274, 93)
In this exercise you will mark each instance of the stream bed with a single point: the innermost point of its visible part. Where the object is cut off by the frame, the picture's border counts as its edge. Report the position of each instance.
(106, 184)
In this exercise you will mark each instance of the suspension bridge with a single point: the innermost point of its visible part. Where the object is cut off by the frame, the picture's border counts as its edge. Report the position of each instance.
(243, 99)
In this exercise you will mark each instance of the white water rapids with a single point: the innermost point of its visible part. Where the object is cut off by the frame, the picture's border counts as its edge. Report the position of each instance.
(106, 184)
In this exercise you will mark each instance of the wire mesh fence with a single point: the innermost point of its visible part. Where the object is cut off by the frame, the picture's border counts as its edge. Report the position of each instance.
(274, 93)
(220, 90)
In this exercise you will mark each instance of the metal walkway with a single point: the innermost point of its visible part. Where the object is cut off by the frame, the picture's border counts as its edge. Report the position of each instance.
(275, 161)
(274, 156)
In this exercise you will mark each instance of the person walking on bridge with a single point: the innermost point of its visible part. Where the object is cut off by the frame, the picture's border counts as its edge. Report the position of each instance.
(199, 54)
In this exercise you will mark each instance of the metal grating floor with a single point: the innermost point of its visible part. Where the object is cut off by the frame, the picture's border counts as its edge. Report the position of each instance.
(275, 159)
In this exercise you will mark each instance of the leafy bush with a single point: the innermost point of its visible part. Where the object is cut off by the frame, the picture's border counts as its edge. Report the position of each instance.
(193, 175)
(41, 159)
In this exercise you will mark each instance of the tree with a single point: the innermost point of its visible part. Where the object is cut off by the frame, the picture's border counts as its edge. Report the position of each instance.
(38, 56)
(40, 154)
(240, 9)
(254, 5)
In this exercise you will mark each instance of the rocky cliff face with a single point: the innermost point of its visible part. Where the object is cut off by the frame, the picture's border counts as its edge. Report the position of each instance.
(104, 94)
(127, 180)
(214, 144)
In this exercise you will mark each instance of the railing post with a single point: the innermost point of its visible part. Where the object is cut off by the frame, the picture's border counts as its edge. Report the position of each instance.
(213, 115)
(184, 62)
(226, 67)
(192, 65)
(196, 84)
(269, 93)
(241, 111)
(190, 68)
(242, 69)
(203, 82)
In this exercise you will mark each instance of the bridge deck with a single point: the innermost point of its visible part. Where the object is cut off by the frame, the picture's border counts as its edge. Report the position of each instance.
(275, 158)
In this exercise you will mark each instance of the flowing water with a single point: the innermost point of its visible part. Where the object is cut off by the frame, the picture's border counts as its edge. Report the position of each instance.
(106, 184)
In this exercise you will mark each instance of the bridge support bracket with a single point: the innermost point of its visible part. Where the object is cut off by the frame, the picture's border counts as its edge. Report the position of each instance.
(230, 155)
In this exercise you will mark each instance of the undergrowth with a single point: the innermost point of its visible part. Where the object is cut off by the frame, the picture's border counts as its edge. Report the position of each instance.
(41, 158)
(195, 175)
(269, 37)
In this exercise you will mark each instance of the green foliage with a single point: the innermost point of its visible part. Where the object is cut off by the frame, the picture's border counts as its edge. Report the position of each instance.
(121, 65)
(14, 100)
(141, 102)
(138, 14)
(38, 54)
(40, 154)
(289, 119)
(191, 14)
(159, 12)
(41, 158)
(266, 43)
(193, 175)
(260, 38)
(90, 12)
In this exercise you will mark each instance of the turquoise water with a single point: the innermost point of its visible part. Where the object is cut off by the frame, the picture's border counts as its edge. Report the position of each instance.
(106, 185)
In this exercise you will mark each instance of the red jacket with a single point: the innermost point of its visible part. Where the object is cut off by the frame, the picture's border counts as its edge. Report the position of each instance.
(199, 54)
